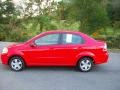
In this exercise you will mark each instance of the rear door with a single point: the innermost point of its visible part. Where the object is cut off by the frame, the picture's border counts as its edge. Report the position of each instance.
(66, 52)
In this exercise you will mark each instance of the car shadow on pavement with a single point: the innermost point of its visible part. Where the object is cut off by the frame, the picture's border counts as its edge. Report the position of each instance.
(51, 68)
(97, 68)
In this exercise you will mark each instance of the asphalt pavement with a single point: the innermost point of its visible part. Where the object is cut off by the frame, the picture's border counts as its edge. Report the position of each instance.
(102, 77)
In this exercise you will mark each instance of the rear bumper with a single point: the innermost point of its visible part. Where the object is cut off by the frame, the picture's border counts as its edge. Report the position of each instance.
(102, 58)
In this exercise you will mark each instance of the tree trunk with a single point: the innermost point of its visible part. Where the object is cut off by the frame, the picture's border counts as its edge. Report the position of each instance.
(41, 27)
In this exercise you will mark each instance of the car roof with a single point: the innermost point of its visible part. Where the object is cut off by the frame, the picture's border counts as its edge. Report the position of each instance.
(63, 31)
(70, 31)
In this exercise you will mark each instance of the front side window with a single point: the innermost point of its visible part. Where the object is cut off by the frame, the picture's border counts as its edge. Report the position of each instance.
(72, 39)
(48, 40)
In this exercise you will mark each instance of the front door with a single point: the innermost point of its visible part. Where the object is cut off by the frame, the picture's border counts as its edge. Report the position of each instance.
(42, 53)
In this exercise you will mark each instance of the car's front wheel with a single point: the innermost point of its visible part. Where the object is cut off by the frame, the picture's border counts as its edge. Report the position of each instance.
(16, 63)
(85, 64)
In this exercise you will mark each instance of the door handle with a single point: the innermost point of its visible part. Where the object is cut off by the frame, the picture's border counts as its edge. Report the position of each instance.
(55, 48)
(77, 47)
(51, 48)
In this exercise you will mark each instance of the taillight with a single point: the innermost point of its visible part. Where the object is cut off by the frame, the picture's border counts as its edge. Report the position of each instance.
(105, 47)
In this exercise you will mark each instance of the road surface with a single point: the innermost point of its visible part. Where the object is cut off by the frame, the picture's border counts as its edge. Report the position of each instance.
(102, 77)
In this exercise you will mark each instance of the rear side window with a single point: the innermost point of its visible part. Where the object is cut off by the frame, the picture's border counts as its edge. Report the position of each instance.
(71, 39)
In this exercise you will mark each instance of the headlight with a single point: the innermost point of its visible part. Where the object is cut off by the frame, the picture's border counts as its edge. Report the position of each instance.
(5, 50)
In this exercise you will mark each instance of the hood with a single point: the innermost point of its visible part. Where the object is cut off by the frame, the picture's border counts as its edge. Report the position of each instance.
(15, 45)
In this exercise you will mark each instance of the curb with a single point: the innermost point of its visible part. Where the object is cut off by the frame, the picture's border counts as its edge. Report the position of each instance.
(114, 50)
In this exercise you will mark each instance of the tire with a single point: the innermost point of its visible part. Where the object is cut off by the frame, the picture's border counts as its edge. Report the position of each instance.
(85, 64)
(16, 63)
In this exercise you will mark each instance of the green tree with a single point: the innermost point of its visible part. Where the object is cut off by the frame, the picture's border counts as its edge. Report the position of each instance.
(113, 9)
(91, 14)
(7, 18)
(40, 17)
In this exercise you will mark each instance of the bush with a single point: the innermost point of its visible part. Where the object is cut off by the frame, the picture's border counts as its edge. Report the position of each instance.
(112, 41)
(17, 36)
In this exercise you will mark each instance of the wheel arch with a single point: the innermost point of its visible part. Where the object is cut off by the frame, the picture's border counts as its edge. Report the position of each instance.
(86, 56)
(16, 56)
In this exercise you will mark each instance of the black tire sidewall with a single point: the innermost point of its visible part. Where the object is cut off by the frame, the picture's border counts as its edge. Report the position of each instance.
(82, 59)
(16, 57)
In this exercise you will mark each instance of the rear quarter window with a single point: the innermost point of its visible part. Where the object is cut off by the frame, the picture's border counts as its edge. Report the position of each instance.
(72, 39)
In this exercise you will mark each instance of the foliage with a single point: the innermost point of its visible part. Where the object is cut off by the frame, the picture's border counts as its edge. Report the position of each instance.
(113, 42)
(113, 10)
(91, 14)
(7, 18)
(98, 18)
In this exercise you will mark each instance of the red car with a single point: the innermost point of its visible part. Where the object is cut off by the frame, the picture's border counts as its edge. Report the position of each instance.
(56, 48)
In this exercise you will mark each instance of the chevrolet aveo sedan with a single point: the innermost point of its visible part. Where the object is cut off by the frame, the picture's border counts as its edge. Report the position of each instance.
(56, 48)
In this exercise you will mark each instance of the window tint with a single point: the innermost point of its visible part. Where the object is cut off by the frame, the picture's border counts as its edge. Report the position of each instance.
(72, 39)
(48, 40)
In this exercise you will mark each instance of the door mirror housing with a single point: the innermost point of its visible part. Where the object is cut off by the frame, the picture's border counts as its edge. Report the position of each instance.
(33, 45)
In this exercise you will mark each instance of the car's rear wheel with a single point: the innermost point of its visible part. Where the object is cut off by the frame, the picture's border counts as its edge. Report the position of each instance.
(16, 63)
(85, 64)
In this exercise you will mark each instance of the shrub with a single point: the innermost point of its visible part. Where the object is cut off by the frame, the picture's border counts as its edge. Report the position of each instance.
(113, 41)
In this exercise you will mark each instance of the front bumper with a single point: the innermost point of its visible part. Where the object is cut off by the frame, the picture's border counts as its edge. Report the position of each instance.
(4, 58)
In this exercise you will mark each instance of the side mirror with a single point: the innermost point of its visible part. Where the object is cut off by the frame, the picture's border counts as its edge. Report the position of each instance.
(32, 45)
